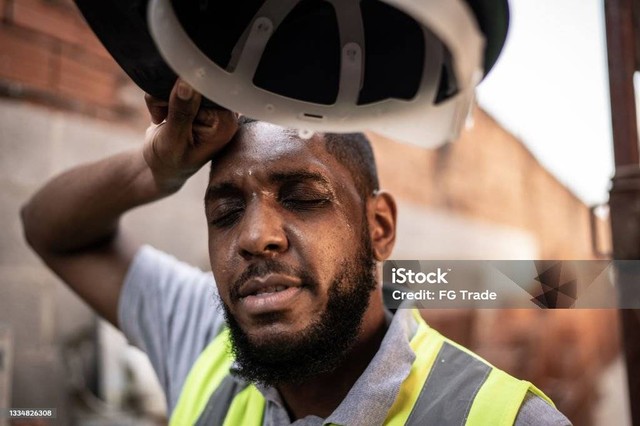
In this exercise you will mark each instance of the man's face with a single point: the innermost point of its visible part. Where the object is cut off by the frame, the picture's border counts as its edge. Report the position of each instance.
(288, 241)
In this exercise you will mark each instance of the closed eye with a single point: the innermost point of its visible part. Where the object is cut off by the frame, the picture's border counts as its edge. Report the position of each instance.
(225, 214)
(302, 197)
(304, 204)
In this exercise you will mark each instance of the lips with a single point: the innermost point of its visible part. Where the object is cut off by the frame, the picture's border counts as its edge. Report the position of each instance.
(272, 283)
(271, 293)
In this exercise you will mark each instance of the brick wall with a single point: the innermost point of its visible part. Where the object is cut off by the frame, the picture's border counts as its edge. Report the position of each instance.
(489, 175)
(50, 56)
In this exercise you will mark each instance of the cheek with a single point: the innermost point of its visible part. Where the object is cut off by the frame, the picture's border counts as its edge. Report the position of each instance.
(324, 246)
(221, 263)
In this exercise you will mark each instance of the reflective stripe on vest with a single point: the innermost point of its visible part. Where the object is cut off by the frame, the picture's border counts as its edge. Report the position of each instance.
(232, 397)
(209, 381)
(447, 384)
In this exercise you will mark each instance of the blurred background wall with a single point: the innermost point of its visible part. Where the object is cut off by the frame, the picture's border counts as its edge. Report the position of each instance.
(63, 102)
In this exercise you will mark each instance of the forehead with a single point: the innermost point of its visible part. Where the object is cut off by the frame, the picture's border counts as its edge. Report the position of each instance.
(262, 149)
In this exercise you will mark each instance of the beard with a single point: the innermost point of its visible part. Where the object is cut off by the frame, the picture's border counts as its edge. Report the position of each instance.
(322, 346)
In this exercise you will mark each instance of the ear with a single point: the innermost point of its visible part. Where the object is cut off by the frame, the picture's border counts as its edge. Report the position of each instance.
(381, 212)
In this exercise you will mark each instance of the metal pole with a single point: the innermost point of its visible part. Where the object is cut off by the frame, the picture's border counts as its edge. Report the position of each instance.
(624, 199)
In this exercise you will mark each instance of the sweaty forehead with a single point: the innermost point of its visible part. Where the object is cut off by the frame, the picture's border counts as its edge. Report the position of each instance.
(260, 148)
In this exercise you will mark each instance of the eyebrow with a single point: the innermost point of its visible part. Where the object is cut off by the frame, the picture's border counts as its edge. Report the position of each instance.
(228, 189)
(221, 190)
(298, 176)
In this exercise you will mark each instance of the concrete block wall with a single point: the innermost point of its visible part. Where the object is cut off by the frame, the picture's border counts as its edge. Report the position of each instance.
(47, 320)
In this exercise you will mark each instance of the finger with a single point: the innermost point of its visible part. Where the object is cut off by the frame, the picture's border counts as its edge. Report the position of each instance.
(158, 108)
(183, 108)
(210, 139)
(225, 126)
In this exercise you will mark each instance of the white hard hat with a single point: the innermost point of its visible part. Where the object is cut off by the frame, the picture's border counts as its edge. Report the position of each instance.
(406, 69)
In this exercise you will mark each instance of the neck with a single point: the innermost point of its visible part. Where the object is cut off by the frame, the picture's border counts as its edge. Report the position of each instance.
(322, 394)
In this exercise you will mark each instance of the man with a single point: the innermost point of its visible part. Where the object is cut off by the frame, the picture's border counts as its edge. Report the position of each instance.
(296, 228)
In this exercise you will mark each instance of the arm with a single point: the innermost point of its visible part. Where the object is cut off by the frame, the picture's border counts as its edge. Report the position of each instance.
(72, 222)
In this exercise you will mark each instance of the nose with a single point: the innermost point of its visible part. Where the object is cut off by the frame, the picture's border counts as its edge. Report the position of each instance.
(262, 231)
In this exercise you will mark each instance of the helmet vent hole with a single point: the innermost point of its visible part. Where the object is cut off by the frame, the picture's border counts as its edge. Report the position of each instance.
(312, 116)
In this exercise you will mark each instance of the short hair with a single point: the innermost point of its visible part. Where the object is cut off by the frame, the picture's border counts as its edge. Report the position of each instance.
(352, 150)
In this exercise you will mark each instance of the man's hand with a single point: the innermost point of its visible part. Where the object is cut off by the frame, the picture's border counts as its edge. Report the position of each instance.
(184, 136)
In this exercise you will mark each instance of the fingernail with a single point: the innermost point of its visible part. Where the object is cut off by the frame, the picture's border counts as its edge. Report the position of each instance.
(185, 92)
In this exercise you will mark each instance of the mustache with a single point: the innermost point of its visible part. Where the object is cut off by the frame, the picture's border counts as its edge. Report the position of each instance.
(266, 267)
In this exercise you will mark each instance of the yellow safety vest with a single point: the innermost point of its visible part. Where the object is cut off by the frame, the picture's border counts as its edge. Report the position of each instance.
(447, 384)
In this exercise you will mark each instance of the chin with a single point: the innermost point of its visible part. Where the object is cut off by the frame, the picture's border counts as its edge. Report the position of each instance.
(276, 327)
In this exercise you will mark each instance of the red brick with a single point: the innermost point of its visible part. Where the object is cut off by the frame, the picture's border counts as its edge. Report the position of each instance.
(79, 80)
(54, 19)
(104, 63)
(61, 20)
(25, 60)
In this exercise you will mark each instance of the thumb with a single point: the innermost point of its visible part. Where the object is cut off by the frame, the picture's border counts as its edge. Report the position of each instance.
(183, 108)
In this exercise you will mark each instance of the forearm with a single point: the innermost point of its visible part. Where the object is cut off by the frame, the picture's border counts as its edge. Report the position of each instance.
(81, 208)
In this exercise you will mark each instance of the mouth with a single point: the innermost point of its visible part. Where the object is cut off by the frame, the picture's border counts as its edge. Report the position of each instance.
(269, 290)
(269, 284)
(270, 293)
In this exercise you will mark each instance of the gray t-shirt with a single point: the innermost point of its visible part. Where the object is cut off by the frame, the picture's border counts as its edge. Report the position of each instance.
(170, 310)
